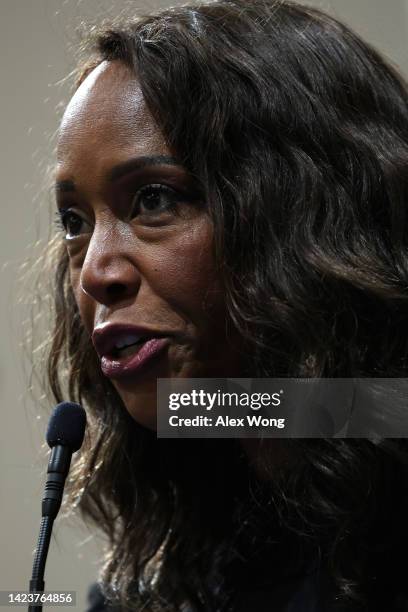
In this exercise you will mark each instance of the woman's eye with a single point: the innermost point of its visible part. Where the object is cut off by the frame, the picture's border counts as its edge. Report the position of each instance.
(155, 200)
(72, 223)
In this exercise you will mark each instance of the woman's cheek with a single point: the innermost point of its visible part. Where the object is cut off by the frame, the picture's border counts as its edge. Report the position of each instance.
(83, 301)
(183, 270)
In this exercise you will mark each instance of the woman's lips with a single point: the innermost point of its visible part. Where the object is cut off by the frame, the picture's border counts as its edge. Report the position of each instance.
(116, 367)
(113, 341)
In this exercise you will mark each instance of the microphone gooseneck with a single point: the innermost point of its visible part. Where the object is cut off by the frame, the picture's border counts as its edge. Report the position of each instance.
(65, 435)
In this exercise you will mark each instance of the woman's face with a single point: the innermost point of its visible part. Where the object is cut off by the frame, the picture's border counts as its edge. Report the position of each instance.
(140, 245)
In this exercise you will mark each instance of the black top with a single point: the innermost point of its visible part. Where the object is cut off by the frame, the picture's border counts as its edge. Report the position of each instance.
(306, 594)
(261, 577)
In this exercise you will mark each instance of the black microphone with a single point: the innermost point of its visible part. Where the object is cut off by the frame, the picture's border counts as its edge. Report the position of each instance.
(65, 435)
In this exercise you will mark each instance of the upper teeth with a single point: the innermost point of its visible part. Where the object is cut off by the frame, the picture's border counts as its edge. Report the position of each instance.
(127, 341)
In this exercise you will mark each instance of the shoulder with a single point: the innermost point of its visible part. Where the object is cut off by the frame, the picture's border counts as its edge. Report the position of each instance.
(311, 591)
(310, 594)
(96, 601)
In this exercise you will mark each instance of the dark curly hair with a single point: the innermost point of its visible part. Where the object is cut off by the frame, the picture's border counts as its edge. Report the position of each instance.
(298, 132)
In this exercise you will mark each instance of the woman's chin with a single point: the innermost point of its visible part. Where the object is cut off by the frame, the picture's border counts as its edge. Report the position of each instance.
(140, 401)
(142, 408)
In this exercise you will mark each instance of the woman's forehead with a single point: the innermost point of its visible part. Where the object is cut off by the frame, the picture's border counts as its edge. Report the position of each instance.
(109, 100)
(107, 113)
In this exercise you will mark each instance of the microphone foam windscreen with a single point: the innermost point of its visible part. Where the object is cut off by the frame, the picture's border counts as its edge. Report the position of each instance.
(67, 426)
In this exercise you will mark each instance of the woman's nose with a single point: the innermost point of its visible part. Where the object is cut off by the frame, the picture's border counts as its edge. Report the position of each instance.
(109, 273)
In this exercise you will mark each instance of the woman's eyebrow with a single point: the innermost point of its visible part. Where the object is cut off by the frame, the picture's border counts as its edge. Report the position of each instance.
(138, 163)
(122, 169)
(64, 186)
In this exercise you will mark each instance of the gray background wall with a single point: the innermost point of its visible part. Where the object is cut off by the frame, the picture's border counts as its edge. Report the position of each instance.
(36, 42)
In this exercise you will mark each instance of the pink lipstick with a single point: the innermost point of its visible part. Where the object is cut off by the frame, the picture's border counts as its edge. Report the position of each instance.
(126, 349)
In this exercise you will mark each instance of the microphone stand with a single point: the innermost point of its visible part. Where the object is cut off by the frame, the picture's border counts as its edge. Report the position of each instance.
(57, 471)
(37, 583)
